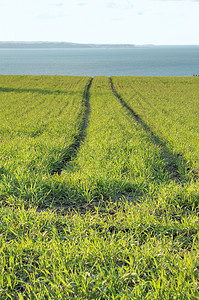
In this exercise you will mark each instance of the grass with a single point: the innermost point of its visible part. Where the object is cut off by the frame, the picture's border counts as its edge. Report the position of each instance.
(98, 204)
(40, 129)
(113, 253)
(169, 106)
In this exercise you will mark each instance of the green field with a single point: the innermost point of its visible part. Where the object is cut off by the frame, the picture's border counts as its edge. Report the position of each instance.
(99, 187)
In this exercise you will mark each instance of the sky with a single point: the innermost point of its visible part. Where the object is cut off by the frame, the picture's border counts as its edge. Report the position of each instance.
(159, 22)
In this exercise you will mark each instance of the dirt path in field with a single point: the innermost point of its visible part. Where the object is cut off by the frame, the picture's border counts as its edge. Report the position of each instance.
(169, 157)
(74, 147)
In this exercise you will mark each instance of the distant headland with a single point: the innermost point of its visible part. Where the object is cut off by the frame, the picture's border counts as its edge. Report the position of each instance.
(28, 45)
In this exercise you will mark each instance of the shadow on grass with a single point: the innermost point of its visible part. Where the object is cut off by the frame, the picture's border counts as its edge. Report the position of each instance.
(73, 149)
(58, 195)
(39, 91)
(177, 166)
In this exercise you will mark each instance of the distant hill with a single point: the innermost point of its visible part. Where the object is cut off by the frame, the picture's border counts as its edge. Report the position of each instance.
(30, 45)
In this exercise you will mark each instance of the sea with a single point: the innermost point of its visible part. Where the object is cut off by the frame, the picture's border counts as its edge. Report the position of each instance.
(137, 61)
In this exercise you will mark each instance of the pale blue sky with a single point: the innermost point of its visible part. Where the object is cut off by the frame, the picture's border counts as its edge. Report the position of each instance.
(101, 21)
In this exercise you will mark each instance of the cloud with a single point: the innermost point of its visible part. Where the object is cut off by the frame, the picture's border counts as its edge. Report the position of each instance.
(47, 16)
(81, 4)
(59, 4)
(129, 4)
(170, 0)
(126, 5)
(118, 19)
(112, 5)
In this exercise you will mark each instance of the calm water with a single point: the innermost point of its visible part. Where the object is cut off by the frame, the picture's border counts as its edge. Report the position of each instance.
(142, 61)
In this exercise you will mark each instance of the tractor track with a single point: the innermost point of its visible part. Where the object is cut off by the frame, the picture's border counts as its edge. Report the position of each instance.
(73, 149)
(169, 157)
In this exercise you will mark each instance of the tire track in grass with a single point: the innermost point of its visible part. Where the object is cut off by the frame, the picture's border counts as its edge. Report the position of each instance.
(72, 150)
(169, 157)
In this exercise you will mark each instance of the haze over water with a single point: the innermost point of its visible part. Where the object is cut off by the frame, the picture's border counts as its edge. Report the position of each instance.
(138, 61)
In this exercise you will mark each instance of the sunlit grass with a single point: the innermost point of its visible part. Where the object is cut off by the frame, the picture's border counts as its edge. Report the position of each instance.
(121, 252)
(96, 204)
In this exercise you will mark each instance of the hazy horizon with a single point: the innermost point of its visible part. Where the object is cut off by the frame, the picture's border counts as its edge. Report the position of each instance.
(138, 22)
(82, 43)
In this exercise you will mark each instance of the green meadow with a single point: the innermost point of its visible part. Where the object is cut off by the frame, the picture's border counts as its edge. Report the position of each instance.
(99, 187)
